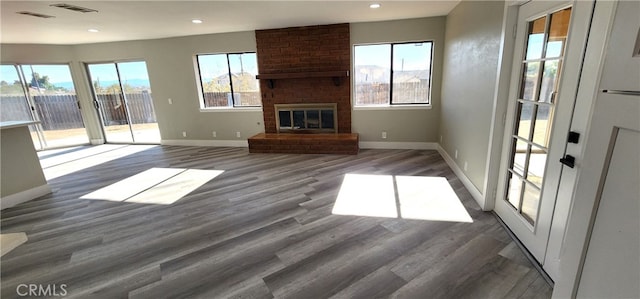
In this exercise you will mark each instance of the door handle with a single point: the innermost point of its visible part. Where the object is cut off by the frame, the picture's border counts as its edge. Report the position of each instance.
(568, 160)
(95, 104)
(574, 137)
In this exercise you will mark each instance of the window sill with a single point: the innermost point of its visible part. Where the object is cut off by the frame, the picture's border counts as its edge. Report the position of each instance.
(231, 109)
(394, 107)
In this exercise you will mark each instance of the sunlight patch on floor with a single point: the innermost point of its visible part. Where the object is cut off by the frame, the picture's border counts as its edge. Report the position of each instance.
(53, 157)
(155, 186)
(407, 197)
(366, 195)
(127, 188)
(429, 198)
(176, 187)
(60, 165)
(9, 242)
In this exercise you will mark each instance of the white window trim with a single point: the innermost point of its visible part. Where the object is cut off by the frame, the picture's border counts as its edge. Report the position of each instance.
(421, 106)
(394, 107)
(232, 109)
(198, 78)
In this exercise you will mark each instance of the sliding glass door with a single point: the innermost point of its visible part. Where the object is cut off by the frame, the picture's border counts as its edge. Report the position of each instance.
(53, 95)
(122, 95)
(44, 93)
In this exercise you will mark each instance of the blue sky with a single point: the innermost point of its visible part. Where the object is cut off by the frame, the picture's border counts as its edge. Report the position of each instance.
(8, 73)
(215, 65)
(409, 57)
(535, 44)
(56, 73)
(61, 74)
(106, 72)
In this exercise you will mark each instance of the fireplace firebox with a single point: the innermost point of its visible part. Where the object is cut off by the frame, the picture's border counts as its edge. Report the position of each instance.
(306, 118)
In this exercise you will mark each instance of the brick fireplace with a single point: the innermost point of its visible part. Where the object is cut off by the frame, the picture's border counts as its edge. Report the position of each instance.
(304, 66)
(306, 52)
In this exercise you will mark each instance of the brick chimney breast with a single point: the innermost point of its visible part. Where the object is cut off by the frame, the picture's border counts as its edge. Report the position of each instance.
(310, 49)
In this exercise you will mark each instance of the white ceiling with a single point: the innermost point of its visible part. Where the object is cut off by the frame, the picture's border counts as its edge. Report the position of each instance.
(134, 20)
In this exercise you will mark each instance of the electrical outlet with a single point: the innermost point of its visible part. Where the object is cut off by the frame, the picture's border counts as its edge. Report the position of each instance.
(384, 134)
(170, 101)
(238, 134)
(214, 134)
(456, 154)
(465, 165)
(184, 133)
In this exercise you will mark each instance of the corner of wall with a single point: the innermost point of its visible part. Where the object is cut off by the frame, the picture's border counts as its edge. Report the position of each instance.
(475, 193)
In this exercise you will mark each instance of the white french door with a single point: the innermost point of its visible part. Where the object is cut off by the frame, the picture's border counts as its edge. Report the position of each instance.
(550, 41)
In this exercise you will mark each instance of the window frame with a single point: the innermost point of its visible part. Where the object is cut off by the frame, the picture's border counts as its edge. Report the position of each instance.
(391, 104)
(201, 91)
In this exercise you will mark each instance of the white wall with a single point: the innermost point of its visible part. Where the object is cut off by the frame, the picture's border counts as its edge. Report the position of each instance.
(471, 59)
(172, 75)
(20, 169)
(402, 125)
(22, 176)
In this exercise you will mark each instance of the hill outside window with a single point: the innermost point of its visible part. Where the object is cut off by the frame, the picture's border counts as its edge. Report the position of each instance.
(228, 80)
(392, 74)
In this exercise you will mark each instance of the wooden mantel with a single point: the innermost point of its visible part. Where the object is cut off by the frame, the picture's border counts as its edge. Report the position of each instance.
(303, 75)
(336, 75)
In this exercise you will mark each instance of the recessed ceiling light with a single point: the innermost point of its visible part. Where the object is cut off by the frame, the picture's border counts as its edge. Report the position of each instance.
(73, 7)
(196, 21)
(34, 14)
(93, 30)
(374, 5)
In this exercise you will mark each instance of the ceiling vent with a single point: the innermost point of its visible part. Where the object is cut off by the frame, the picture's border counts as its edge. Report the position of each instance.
(73, 7)
(34, 14)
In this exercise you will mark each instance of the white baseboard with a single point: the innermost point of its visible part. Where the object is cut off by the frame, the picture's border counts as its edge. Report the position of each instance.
(220, 143)
(398, 145)
(97, 141)
(24, 196)
(475, 193)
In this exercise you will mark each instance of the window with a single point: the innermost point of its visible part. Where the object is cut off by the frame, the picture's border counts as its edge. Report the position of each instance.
(392, 74)
(229, 80)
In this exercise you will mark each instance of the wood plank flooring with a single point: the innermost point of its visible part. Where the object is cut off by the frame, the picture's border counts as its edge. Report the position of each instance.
(261, 229)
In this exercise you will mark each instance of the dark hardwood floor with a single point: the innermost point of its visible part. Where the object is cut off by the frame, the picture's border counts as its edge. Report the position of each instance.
(263, 228)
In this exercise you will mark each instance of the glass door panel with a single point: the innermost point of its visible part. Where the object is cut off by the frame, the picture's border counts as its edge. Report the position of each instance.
(246, 87)
(546, 38)
(14, 105)
(137, 94)
(52, 93)
(109, 100)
